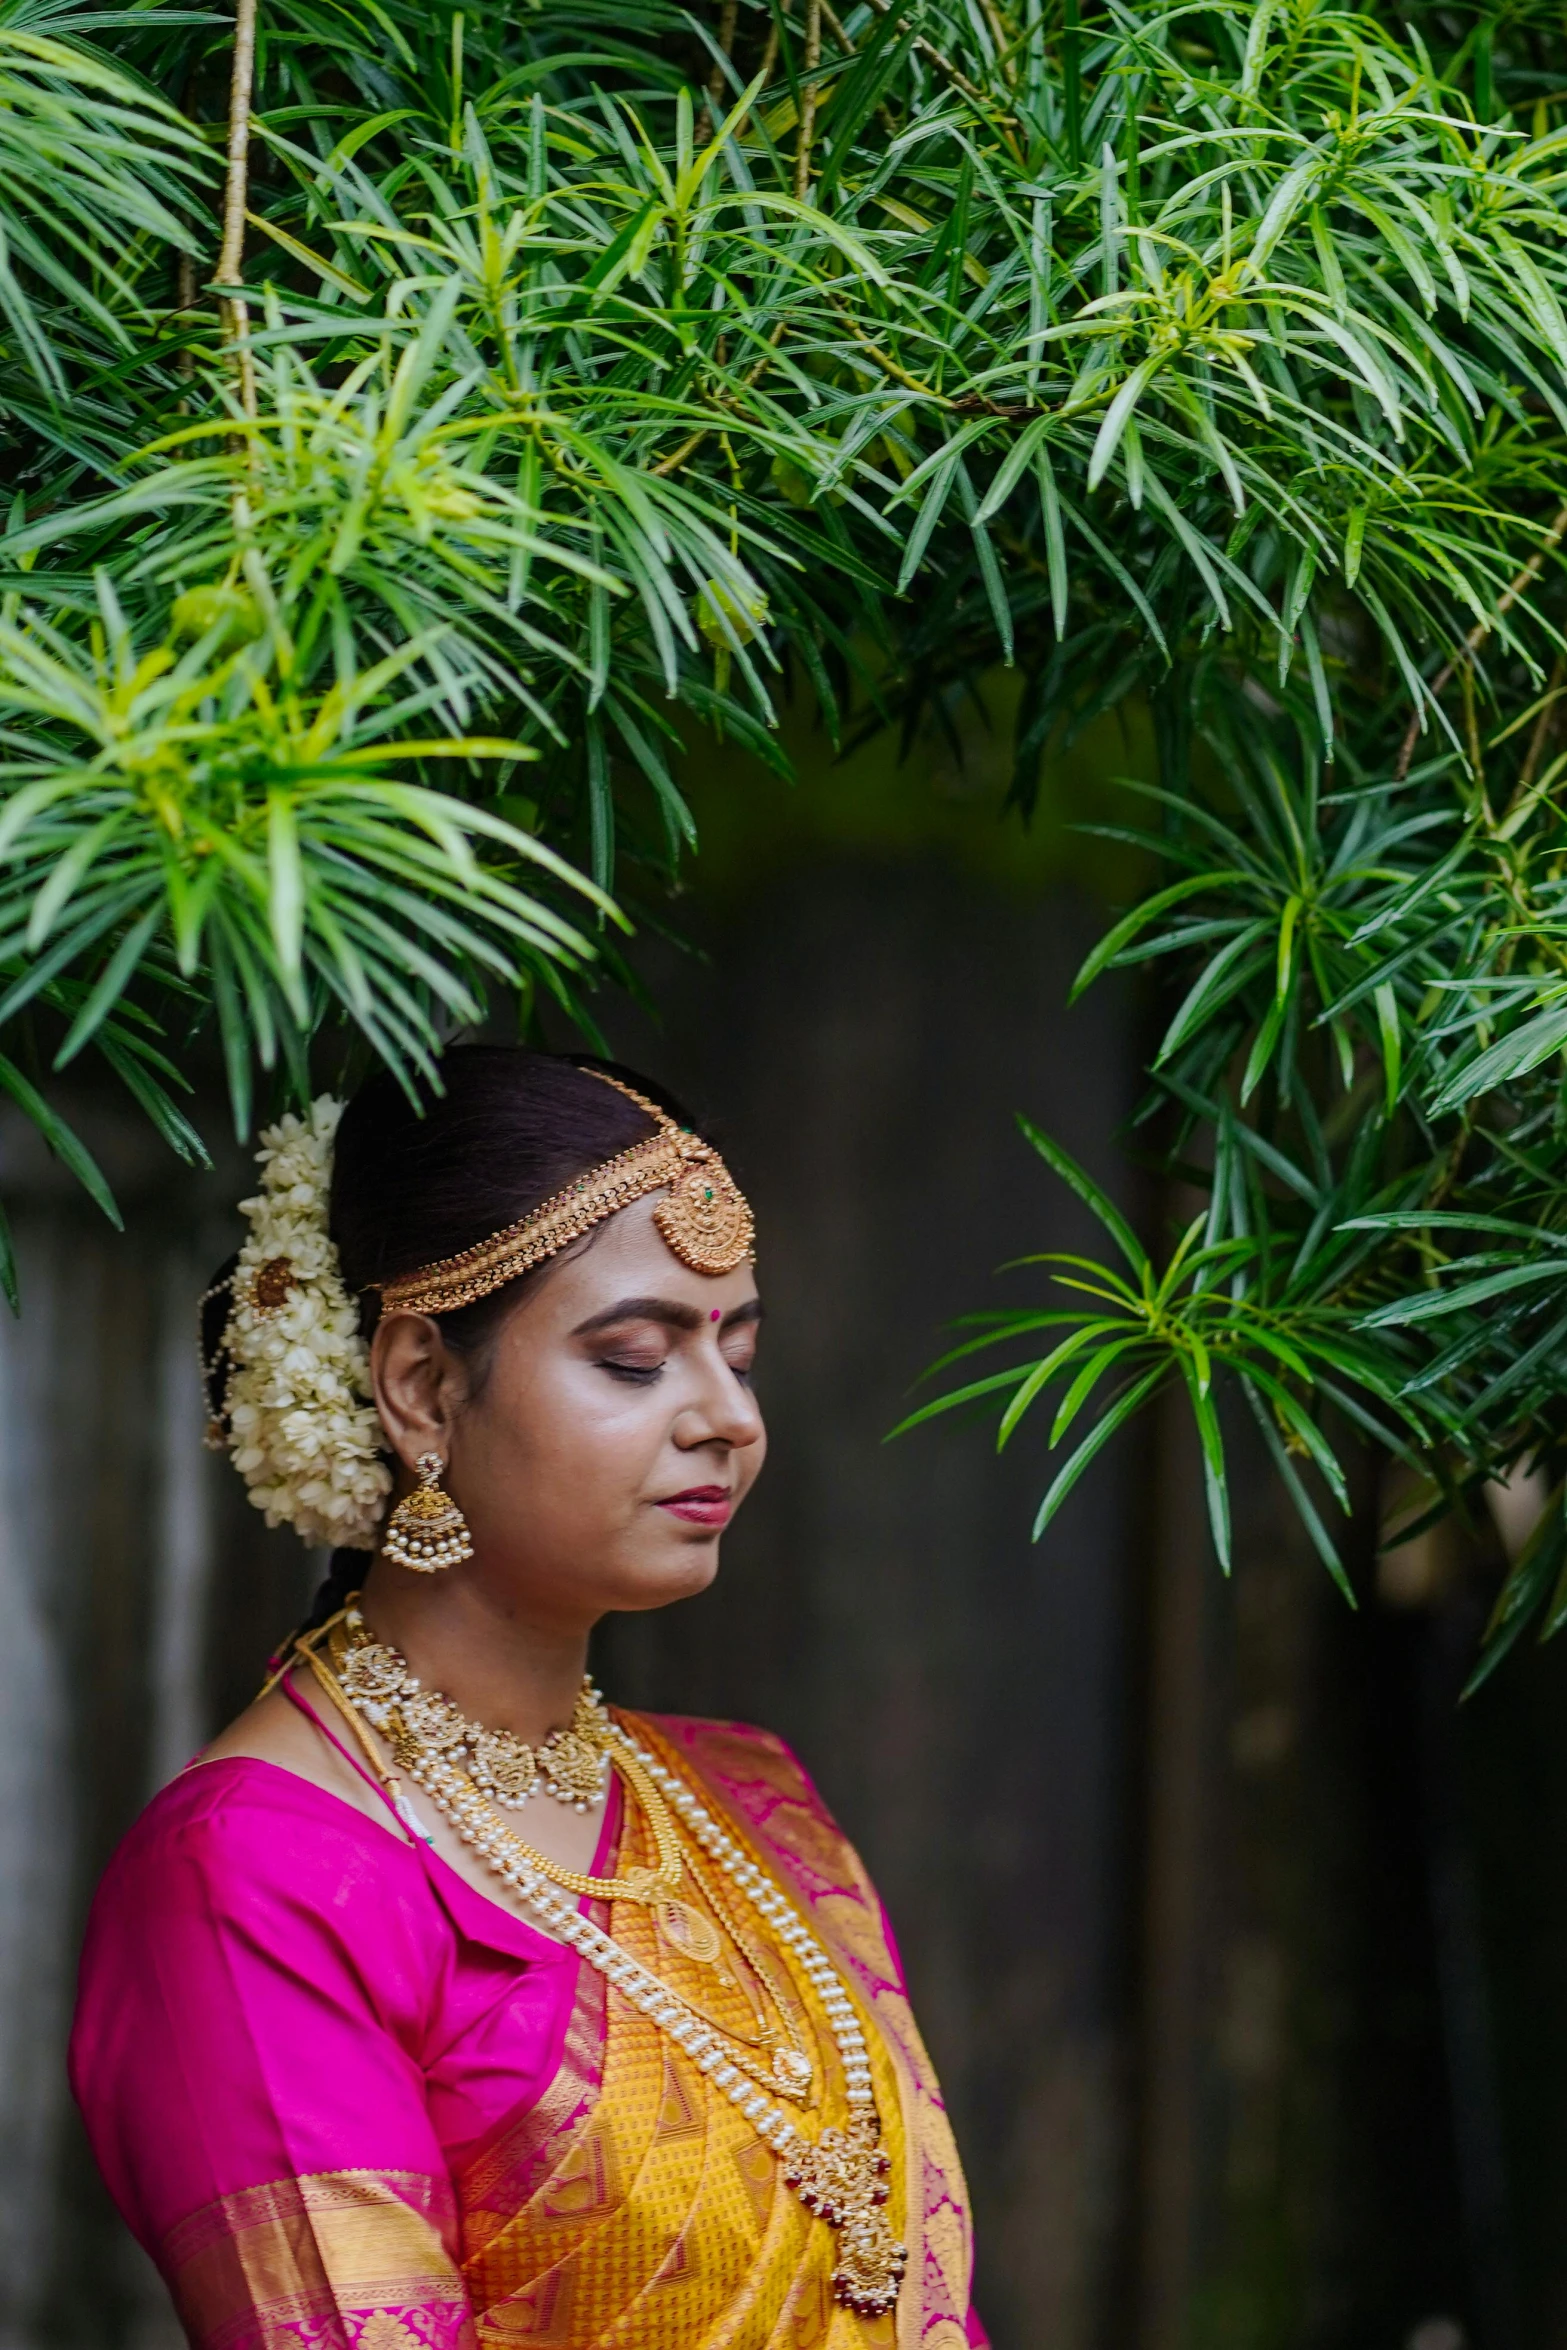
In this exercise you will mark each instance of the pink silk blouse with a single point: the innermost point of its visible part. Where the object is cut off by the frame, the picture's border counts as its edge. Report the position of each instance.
(278, 1991)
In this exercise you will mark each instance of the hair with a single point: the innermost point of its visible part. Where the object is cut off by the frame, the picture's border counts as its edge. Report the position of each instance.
(415, 1181)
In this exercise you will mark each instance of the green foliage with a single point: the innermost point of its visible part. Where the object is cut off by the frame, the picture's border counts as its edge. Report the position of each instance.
(1318, 346)
(1361, 1067)
(95, 170)
(263, 832)
(597, 375)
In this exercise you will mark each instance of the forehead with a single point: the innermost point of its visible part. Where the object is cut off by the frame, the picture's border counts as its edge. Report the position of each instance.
(627, 1256)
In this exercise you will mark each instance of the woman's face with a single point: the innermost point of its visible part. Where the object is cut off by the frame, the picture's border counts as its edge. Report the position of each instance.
(613, 1436)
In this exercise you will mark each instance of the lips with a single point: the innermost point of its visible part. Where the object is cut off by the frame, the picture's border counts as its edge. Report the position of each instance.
(703, 1505)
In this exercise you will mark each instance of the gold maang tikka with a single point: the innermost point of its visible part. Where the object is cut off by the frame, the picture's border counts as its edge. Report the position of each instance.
(705, 1219)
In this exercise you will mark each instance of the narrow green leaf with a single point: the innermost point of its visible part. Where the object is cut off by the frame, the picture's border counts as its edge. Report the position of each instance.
(1096, 1201)
(1116, 1416)
(67, 1147)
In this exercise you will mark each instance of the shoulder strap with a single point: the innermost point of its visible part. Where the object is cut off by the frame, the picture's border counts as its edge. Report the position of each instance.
(403, 1818)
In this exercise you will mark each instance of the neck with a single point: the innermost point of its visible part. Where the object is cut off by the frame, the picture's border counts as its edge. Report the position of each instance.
(479, 1648)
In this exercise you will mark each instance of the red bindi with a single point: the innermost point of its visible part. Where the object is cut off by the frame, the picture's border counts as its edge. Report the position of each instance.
(716, 1315)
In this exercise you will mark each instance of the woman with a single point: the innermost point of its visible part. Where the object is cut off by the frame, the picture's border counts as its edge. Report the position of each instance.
(436, 2004)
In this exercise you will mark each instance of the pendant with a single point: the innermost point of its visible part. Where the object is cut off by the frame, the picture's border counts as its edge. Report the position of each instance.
(574, 1763)
(685, 1929)
(793, 2071)
(843, 2179)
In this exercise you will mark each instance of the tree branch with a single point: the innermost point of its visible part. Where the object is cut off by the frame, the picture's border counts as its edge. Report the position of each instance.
(938, 58)
(231, 256)
(1481, 630)
(717, 80)
(813, 59)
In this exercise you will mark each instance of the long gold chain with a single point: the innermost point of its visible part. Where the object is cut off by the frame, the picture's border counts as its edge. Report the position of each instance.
(791, 2064)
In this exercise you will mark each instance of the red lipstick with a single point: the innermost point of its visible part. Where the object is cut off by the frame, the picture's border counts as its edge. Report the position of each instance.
(702, 1505)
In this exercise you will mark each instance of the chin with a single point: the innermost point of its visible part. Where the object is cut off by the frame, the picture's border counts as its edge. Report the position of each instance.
(679, 1574)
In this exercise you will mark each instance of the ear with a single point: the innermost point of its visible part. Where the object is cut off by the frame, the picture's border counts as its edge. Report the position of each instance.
(418, 1385)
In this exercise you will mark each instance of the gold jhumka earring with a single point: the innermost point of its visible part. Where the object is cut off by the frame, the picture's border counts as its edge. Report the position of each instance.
(427, 1531)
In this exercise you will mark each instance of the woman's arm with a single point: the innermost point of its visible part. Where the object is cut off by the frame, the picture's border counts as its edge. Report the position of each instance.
(247, 2058)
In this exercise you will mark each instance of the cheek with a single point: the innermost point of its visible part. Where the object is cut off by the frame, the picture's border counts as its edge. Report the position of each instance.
(568, 1427)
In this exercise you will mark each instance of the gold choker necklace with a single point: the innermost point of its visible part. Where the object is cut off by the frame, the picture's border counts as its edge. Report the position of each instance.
(572, 1765)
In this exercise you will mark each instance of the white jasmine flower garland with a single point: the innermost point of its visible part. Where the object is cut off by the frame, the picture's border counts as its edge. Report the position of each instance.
(304, 1434)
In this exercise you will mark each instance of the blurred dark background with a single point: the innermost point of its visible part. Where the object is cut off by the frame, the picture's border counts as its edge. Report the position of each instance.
(1239, 1945)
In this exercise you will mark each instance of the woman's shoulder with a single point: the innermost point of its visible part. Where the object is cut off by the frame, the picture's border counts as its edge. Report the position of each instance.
(240, 1832)
(269, 1794)
(246, 1796)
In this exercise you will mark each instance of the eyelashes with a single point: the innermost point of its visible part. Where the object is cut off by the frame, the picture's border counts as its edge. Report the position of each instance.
(644, 1374)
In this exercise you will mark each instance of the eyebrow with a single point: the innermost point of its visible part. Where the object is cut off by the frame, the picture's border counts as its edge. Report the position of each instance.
(667, 1310)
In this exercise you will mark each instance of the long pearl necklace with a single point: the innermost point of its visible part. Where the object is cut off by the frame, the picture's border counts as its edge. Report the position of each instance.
(842, 2175)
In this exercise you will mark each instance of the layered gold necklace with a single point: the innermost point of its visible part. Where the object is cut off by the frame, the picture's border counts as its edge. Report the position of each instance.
(690, 1891)
(451, 1757)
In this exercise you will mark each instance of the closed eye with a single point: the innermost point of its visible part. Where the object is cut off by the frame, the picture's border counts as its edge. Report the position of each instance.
(639, 1374)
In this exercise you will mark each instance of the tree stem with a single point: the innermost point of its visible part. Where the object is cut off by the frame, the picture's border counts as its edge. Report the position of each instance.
(1544, 726)
(231, 257)
(938, 58)
(718, 80)
(1482, 629)
(813, 59)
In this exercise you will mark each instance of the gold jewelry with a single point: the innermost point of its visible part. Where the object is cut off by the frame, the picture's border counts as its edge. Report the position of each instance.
(214, 1379)
(705, 1219)
(792, 2069)
(843, 2176)
(427, 1531)
(419, 1725)
(429, 1739)
(569, 1765)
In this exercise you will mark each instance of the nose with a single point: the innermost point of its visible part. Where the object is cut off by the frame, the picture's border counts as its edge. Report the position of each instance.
(725, 1411)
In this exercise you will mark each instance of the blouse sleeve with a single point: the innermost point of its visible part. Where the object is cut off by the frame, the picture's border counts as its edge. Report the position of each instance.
(255, 1987)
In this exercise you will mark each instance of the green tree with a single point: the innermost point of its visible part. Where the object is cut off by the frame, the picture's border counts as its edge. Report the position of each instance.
(423, 419)
(1324, 363)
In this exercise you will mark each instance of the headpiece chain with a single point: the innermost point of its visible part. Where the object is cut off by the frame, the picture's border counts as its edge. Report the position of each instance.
(705, 1220)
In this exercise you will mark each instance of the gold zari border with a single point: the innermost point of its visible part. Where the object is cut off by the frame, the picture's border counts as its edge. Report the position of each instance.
(252, 2267)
